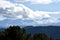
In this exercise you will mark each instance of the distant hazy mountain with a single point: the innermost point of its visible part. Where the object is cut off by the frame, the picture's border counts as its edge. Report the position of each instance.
(22, 23)
(52, 31)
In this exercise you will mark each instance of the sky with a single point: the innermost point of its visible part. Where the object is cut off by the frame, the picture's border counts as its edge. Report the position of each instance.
(29, 12)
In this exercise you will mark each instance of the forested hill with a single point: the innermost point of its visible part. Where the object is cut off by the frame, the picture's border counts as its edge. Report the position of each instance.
(17, 33)
(53, 31)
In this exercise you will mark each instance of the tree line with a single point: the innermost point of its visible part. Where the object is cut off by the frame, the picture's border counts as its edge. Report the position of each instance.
(17, 33)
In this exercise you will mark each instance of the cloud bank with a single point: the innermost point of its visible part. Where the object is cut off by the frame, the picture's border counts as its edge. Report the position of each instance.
(38, 1)
(14, 11)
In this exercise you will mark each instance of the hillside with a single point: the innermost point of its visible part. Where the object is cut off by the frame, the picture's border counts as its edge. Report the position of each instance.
(52, 31)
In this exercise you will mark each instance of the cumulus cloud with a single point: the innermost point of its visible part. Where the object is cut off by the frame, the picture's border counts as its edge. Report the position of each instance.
(10, 10)
(19, 11)
(38, 1)
(5, 4)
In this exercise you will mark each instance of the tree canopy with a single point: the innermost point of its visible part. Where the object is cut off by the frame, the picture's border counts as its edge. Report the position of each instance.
(17, 33)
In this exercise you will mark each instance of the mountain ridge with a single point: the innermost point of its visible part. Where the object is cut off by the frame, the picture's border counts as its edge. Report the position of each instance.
(52, 31)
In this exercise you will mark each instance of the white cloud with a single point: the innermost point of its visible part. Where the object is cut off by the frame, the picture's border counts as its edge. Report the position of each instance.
(10, 10)
(21, 0)
(38, 1)
(19, 11)
(5, 4)
(41, 1)
(47, 21)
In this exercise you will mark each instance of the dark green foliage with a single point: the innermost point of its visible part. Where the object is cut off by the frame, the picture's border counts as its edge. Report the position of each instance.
(41, 36)
(17, 33)
(2, 36)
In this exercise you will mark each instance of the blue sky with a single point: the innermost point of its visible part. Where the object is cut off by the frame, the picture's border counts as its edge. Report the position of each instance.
(29, 12)
(44, 7)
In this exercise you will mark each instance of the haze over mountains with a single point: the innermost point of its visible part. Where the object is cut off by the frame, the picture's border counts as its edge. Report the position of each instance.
(23, 23)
